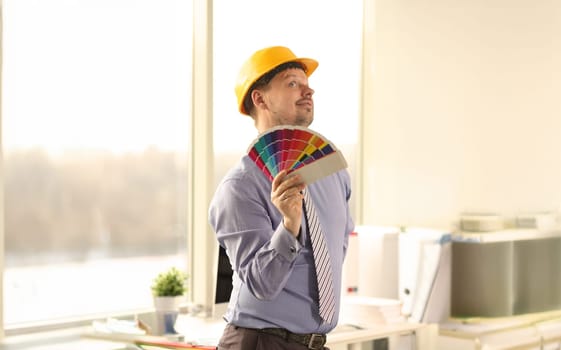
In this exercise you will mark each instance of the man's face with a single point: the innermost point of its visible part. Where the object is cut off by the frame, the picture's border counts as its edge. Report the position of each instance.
(288, 99)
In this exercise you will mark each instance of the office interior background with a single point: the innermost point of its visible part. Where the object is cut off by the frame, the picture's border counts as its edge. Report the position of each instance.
(119, 119)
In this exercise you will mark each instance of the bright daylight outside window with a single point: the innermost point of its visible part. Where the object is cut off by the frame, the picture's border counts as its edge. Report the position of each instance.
(329, 31)
(96, 104)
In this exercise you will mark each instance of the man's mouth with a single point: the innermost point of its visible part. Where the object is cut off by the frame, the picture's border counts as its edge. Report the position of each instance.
(306, 103)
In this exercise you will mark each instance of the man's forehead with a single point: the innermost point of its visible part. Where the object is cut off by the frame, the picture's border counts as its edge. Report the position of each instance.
(292, 72)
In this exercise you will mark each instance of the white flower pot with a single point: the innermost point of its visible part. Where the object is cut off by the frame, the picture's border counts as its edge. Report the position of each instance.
(162, 304)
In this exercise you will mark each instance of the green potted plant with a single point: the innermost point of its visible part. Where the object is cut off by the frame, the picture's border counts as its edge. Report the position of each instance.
(170, 283)
(169, 289)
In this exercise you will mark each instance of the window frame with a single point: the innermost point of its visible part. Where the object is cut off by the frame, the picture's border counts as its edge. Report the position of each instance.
(202, 246)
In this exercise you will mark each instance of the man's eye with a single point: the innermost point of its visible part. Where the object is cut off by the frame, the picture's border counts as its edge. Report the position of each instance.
(292, 84)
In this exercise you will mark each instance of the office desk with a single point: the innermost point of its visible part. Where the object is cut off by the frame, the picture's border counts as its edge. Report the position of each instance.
(207, 331)
(528, 332)
(421, 336)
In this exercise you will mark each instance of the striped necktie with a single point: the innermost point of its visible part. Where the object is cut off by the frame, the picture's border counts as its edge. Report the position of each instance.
(321, 258)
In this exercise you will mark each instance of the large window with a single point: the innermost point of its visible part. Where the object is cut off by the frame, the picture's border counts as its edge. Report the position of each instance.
(96, 103)
(329, 31)
(95, 136)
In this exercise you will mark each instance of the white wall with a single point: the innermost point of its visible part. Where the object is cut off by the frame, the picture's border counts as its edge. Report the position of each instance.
(462, 109)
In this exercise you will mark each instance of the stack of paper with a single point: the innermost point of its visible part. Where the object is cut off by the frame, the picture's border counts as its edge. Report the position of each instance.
(363, 311)
(117, 326)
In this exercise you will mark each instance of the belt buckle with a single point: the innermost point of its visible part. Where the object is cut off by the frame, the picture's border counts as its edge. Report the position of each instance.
(316, 342)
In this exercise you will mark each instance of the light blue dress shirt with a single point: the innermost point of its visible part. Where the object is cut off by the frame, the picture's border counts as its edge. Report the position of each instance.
(274, 275)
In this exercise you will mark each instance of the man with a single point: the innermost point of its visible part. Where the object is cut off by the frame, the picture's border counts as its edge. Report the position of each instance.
(266, 228)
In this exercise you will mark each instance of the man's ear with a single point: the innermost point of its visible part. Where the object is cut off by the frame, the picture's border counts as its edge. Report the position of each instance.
(258, 98)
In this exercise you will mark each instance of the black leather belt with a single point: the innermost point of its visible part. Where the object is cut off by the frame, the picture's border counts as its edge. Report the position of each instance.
(314, 341)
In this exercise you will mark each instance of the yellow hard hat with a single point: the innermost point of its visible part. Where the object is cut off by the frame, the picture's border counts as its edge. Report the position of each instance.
(262, 62)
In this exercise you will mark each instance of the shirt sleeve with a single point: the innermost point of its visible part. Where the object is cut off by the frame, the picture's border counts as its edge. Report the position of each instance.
(261, 250)
(350, 225)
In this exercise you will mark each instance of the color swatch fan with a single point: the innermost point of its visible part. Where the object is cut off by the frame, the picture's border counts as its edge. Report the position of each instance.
(296, 149)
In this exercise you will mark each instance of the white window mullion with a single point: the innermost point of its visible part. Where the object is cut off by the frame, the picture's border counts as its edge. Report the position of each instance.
(202, 173)
(1, 187)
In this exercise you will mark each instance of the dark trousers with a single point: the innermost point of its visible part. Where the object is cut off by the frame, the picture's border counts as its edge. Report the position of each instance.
(238, 338)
